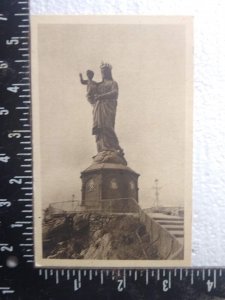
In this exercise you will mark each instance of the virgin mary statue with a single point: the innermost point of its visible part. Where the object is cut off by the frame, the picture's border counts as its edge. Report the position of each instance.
(103, 97)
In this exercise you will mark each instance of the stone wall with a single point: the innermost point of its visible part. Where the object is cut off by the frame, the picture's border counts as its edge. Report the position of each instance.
(167, 245)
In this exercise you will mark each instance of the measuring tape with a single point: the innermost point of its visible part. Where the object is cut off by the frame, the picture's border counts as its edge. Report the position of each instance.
(18, 277)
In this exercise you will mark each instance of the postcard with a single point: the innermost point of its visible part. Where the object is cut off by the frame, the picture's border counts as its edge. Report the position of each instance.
(112, 140)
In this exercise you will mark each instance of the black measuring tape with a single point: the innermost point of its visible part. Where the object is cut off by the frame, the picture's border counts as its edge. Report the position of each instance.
(18, 277)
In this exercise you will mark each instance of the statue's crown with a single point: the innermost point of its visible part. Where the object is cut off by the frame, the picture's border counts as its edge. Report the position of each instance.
(105, 66)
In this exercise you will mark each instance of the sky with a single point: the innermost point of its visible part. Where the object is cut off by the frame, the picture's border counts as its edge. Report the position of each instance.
(151, 123)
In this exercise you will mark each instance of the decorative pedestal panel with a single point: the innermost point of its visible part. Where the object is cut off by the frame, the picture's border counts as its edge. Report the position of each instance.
(109, 186)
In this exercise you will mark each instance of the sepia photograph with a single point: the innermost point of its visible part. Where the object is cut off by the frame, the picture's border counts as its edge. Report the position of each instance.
(112, 140)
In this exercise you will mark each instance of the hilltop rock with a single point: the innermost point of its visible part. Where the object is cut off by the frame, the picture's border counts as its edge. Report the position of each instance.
(96, 236)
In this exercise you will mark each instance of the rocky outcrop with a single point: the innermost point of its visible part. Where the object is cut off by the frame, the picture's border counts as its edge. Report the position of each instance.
(96, 236)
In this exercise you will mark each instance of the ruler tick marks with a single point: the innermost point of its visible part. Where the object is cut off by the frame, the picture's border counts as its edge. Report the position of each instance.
(181, 274)
(23, 222)
(192, 277)
(214, 278)
(21, 83)
(102, 279)
(21, 60)
(158, 274)
(68, 274)
(169, 280)
(57, 276)
(23, 200)
(90, 274)
(21, 14)
(203, 274)
(22, 107)
(16, 225)
(124, 279)
(146, 277)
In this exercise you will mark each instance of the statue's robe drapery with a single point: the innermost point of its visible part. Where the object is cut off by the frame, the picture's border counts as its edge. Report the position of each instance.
(104, 113)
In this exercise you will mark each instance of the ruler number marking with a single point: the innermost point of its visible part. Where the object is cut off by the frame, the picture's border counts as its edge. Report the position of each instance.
(6, 248)
(3, 65)
(210, 285)
(12, 41)
(165, 284)
(120, 286)
(14, 134)
(4, 158)
(13, 89)
(4, 202)
(17, 181)
(4, 111)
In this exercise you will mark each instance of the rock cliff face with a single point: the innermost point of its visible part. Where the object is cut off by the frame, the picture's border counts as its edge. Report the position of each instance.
(96, 236)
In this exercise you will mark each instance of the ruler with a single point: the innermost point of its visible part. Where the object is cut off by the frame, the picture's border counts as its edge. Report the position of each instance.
(19, 279)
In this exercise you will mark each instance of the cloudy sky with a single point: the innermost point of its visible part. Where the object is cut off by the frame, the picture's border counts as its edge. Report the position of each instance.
(149, 65)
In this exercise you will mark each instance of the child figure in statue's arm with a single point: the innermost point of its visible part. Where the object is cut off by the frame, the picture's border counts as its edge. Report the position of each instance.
(91, 86)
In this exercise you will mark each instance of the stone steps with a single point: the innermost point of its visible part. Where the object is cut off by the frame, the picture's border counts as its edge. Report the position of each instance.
(165, 222)
(173, 224)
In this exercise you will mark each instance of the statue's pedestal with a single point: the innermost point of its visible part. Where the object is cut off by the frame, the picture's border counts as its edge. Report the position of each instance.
(109, 186)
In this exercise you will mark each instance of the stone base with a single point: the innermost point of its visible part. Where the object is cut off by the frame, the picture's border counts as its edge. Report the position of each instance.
(109, 186)
(115, 157)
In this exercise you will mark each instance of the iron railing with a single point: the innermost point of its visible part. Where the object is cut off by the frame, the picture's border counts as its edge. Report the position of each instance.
(118, 205)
